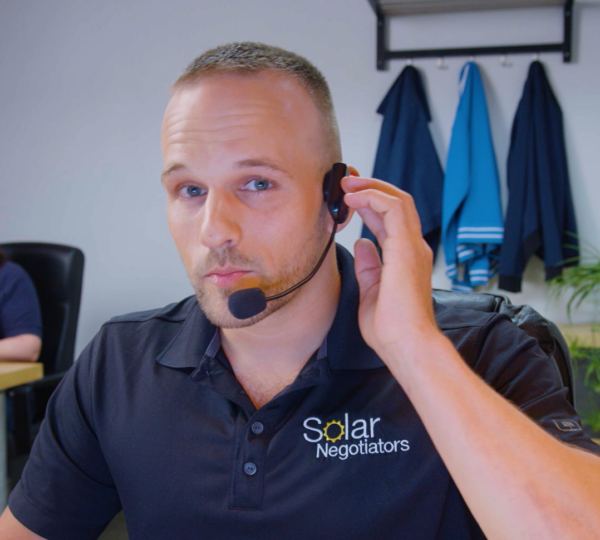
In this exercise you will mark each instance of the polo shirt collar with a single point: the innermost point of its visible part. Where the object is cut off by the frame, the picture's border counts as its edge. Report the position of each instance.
(344, 346)
(190, 344)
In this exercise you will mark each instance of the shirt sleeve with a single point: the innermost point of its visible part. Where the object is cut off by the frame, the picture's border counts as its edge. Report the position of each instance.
(19, 306)
(514, 364)
(66, 491)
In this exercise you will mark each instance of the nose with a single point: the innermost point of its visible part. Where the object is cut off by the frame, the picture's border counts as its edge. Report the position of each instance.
(219, 225)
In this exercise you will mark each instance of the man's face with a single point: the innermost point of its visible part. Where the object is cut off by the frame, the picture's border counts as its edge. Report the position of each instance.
(245, 158)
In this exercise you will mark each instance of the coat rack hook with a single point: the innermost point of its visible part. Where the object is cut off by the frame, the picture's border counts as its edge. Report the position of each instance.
(409, 61)
(536, 57)
(504, 61)
(441, 62)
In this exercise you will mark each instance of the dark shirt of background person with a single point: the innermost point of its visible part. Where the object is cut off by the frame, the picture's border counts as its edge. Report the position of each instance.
(20, 314)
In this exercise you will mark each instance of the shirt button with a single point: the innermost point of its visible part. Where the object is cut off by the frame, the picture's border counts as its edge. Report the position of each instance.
(257, 428)
(250, 468)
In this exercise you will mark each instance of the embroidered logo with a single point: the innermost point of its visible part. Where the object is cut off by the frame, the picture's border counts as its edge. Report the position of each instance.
(339, 435)
(359, 433)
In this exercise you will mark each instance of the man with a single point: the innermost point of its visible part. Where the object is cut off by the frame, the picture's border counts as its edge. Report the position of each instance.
(343, 410)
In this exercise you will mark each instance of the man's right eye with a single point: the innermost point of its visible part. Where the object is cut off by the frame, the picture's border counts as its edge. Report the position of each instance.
(191, 191)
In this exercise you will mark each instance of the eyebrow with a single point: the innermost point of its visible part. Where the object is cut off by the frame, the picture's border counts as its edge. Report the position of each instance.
(173, 168)
(241, 164)
(265, 163)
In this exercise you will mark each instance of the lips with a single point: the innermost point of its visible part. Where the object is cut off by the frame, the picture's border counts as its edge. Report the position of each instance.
(225, 277)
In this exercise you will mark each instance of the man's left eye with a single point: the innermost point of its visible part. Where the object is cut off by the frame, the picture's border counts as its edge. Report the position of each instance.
(257, 184)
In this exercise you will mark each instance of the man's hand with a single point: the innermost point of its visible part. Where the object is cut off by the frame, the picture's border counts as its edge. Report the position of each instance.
(518, 480)
(395, 298)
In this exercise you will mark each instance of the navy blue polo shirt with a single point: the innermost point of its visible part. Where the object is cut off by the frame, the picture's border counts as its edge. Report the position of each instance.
(151, 419)
(19, 306)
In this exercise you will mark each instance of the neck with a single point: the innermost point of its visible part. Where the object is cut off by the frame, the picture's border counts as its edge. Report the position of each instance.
(284, 341)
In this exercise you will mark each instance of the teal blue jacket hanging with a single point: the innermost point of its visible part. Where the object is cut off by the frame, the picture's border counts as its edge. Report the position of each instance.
(472, 225)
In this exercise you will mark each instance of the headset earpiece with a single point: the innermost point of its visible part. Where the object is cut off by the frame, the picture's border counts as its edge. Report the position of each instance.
(333, 194)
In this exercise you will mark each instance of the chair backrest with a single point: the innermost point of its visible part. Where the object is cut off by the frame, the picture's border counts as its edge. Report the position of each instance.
(547, 334)
(57, 273)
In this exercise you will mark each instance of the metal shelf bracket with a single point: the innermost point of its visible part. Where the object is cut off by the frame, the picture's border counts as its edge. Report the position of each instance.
(384, 54)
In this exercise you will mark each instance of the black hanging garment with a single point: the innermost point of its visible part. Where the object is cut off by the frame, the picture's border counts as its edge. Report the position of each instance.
(540, 218)
(406, 156)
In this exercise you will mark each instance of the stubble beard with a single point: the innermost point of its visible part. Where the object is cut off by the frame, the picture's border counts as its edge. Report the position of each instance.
(213, 299)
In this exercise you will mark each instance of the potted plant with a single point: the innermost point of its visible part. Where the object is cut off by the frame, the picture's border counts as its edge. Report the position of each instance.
(582, 283)
(586, 368)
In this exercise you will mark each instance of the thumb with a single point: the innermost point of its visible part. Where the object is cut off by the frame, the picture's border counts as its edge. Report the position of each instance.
(367, 266)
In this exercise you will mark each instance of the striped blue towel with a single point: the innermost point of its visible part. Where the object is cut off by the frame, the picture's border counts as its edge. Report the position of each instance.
(472, 225)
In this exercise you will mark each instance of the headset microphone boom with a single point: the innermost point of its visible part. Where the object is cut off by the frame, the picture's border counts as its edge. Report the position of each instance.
(247, 303)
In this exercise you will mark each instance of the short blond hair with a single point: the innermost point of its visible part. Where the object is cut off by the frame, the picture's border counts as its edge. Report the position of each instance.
(250, 58)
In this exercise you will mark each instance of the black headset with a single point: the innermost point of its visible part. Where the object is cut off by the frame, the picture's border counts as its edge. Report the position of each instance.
(247, 303)
(333, 194)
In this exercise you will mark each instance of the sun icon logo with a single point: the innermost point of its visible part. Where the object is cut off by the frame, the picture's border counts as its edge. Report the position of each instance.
(326, 429)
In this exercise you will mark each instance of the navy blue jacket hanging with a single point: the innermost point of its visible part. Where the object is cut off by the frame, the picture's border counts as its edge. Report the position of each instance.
(406, 156)
(540, 218)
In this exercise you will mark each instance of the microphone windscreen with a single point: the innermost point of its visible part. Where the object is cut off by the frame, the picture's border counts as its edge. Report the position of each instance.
(246, 303)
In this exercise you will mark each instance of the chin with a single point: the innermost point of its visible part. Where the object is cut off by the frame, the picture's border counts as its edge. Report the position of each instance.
(213, 299)
(216, 311)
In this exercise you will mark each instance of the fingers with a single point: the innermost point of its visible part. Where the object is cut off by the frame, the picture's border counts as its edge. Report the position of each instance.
(374, 222)
(367, 266)
(367, 259)
(351, 184)
(357, 184)
(386, 215)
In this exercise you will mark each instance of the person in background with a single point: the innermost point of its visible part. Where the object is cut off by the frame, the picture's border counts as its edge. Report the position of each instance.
(20, 317)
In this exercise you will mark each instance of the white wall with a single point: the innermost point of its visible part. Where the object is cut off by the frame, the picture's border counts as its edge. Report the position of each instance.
(83, 86)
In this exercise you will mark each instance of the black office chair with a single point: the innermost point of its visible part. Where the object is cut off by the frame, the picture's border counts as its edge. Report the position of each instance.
(57, 273)
(547, 334)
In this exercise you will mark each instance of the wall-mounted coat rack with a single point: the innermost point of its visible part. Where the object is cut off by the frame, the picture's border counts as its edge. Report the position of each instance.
(388, 8)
